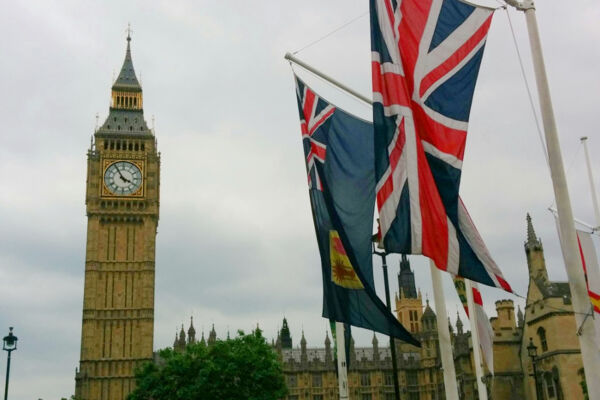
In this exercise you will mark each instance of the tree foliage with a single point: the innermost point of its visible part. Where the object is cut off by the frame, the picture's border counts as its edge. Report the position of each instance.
(244, 367)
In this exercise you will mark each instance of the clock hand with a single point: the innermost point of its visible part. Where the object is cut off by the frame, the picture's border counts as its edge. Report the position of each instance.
(121, 175)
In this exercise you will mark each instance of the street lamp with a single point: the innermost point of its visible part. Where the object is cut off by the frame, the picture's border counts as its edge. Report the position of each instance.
(532, 352)
(376, 242)
(9, 344)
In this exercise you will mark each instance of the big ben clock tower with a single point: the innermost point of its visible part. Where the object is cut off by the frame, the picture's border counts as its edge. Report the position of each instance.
(122, 199)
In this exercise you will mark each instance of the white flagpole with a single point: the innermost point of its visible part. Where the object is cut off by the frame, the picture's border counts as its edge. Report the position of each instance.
(579, 296)
(443, 334)
(290, 57)
(593, 265)
(592, 186)
(341, 357)
(475, 341)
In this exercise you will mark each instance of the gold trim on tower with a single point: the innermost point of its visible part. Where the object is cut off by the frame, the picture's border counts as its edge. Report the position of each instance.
(105, 192)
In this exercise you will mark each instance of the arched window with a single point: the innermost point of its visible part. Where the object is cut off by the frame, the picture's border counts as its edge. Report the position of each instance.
(542, 335)
(550, 387)
(135, 101)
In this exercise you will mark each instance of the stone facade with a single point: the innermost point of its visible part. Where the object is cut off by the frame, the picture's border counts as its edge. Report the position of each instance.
(118, 304)
(550, 324)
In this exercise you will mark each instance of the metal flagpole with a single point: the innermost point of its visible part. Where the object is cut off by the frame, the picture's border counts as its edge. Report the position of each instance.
(386, 283)
(290, 57)
(475, 341)
(592, 186)
(341, 357)
(579, 295)
(444, 334)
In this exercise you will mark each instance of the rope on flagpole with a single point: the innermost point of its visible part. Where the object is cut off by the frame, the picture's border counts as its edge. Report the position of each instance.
(331, 33)
(531, 103)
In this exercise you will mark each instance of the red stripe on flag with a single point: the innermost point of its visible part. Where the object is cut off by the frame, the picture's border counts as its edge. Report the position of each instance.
(434, 220)
(392, 86)
(412, 28)
(319, 122)
(456, 57)
(503, 283)
(477, 297)
(445, 139)
(303, 128)
(318, 149)
(583, 262)
(309, 101)
(387, 188)
(390, 12)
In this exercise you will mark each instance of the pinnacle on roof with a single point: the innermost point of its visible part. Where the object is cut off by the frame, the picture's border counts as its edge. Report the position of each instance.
(127, 79)
(532, 239)
(375, 342)
(520, 318)
(191, 330)
(327, 340)
(459, 324)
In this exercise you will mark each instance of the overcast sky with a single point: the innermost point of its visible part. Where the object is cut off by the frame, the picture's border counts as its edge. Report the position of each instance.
(236, 244)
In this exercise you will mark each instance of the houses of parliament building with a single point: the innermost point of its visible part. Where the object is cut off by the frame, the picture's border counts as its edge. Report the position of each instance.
(548, 322)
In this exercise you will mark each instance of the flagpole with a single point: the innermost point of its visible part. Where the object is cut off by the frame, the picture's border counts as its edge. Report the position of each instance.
(592, 268)
(481, 388)
(341, 357)
(592, 186)
(579, 295)
(292, 58)
(443, 334)
(386, 283)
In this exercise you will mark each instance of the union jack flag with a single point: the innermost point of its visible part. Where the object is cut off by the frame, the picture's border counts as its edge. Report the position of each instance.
(425, 61)
(314, 114)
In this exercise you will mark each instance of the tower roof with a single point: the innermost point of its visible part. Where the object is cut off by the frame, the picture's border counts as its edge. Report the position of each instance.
(126, 114)
(406, 280)
(428, 313)
(127, 79)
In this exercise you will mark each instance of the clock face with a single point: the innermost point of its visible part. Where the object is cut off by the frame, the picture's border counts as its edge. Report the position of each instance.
(123, 178)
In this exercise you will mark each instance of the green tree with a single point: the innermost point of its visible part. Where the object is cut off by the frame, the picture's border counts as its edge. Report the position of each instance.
(244, 368)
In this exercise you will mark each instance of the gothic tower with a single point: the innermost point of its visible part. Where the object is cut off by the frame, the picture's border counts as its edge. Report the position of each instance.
(122, 198)
(409, 304)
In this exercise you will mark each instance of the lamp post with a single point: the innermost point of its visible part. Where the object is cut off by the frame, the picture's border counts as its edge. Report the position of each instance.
(9, 344)
(532, 352)
(376, 240)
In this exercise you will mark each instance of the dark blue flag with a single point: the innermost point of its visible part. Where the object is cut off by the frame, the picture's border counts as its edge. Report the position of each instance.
(339, 155)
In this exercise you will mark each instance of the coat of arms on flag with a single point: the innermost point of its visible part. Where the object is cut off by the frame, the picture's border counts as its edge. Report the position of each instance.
(342, 272)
